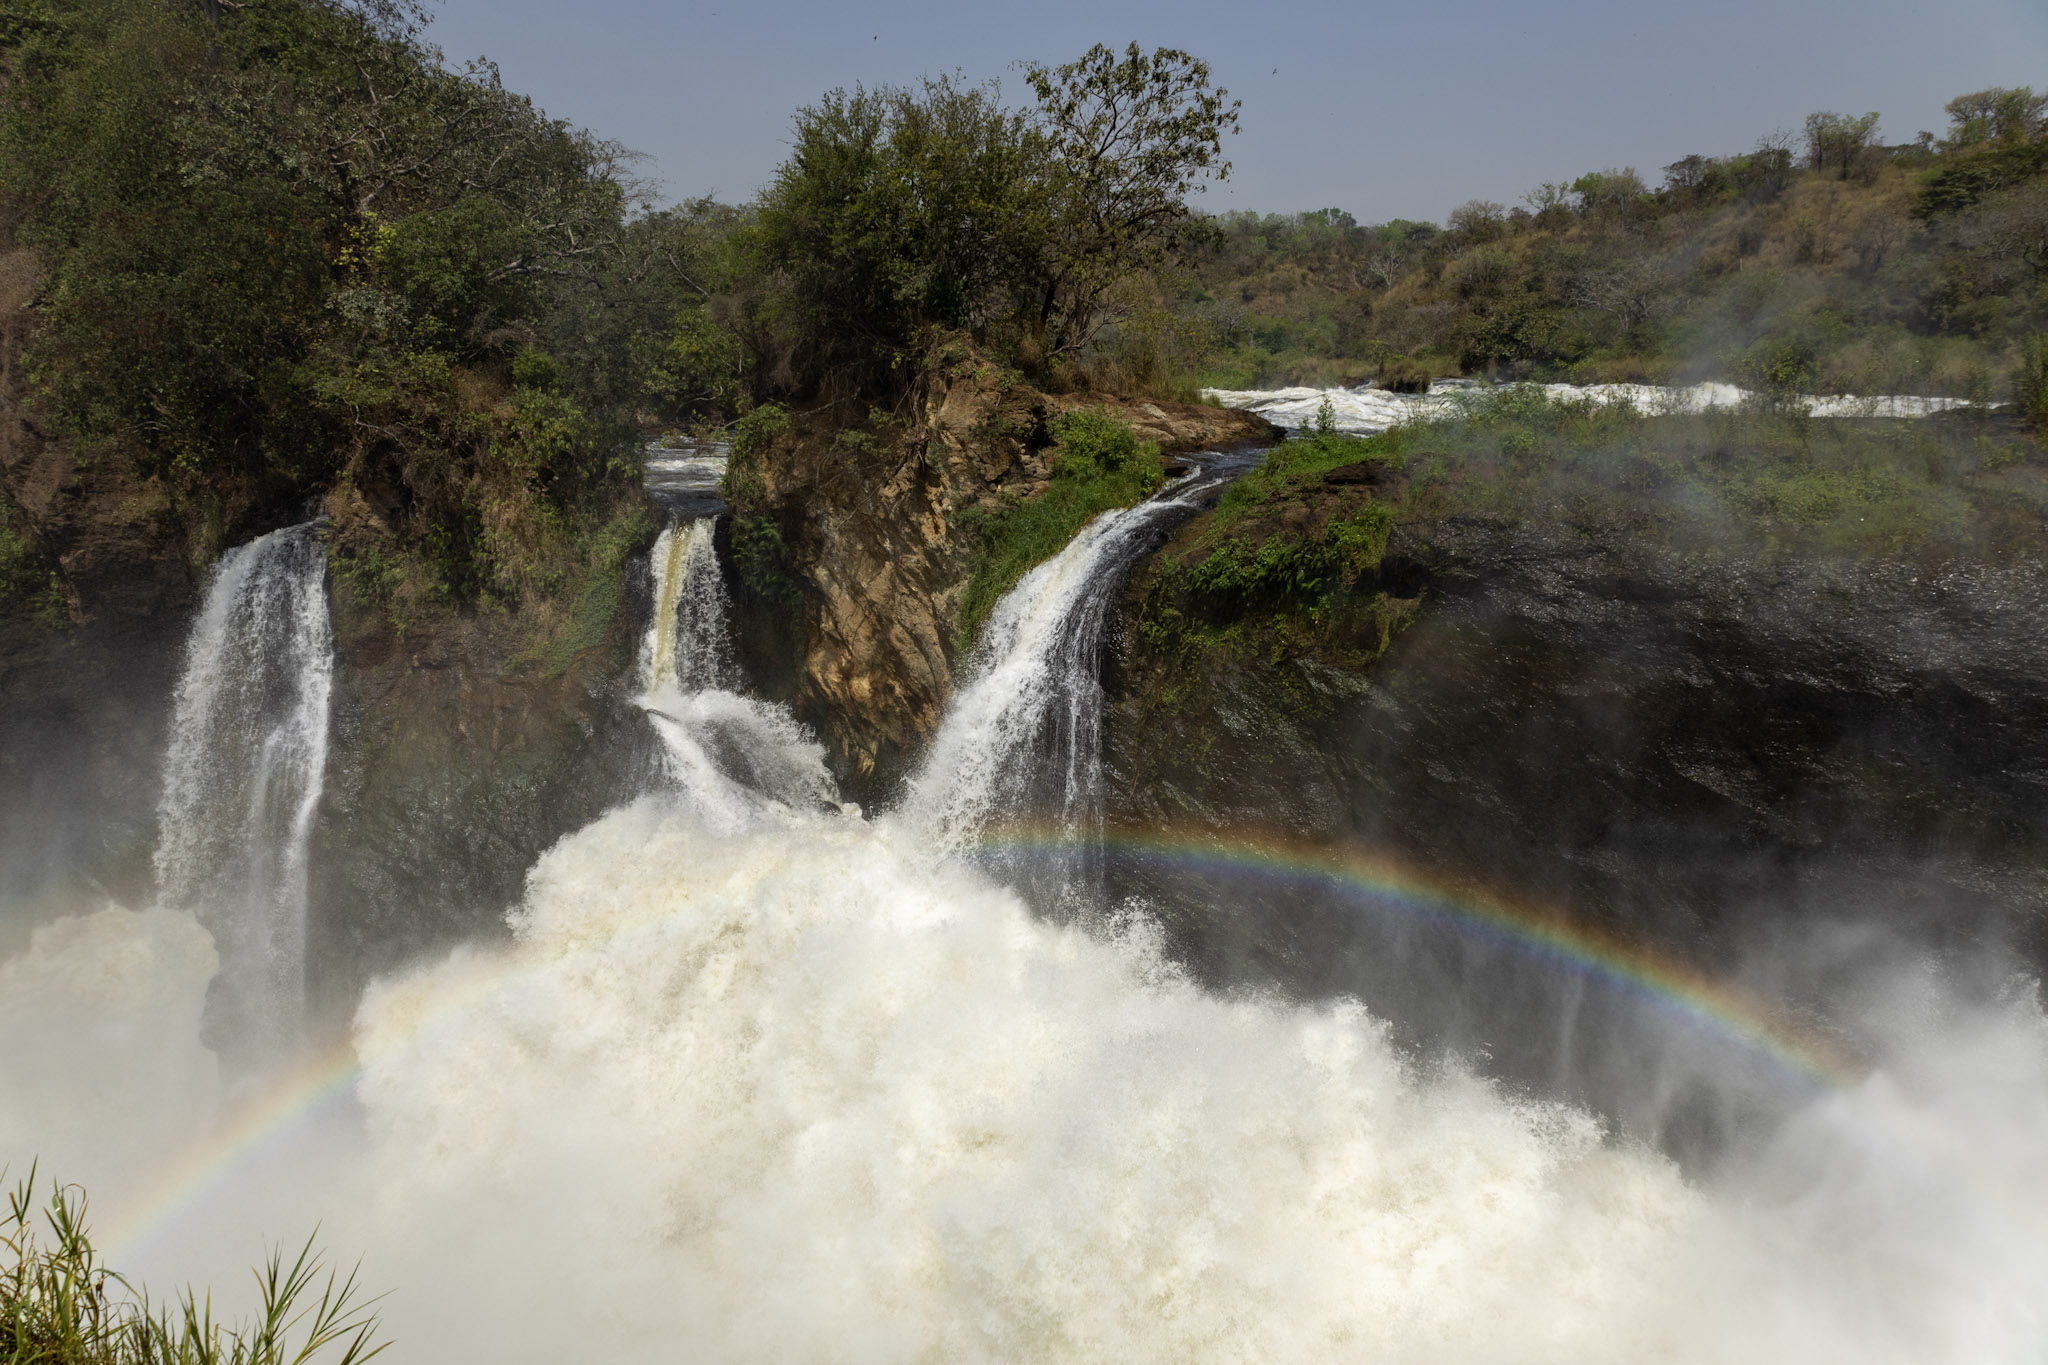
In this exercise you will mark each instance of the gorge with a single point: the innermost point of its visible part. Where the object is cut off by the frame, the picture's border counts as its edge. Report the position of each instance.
(988, 1074)
(831, 777)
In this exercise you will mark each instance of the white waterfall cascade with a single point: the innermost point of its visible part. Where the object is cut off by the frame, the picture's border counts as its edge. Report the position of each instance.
(1022, 738)
(734, 760)
(1362, 411)
(242, 779)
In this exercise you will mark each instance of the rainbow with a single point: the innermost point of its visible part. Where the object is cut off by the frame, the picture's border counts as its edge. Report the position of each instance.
(1547, 935)
(285, 1102)
(1720, 1010)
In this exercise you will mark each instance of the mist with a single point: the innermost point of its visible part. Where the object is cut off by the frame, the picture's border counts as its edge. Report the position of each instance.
(749, 1075)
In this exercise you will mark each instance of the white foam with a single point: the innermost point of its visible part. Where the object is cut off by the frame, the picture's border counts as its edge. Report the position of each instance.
(242, 780)
(1030, 693)
(1364, 411)
(755, 1083)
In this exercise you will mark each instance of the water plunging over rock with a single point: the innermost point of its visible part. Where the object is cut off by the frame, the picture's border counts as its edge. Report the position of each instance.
(242, 778)
(1022, 741)
(734, 759)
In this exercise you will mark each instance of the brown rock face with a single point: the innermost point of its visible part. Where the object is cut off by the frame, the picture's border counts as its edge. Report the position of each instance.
(873, 527)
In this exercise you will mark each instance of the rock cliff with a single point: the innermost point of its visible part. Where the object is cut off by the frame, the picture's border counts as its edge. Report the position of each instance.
(1782, 768)
(457, 756)
(870, 519)
(99, 587)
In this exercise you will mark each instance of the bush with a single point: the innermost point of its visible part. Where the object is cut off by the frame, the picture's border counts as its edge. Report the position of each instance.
(1100, 464)
(2030, 382)
(1303, 572)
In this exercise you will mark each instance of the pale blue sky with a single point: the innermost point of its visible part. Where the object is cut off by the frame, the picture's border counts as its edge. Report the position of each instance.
(1384, 109)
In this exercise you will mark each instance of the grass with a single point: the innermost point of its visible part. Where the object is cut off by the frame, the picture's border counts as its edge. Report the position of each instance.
(1288, 558)
(1099, 465)
(1746, 480)
(61, 1305)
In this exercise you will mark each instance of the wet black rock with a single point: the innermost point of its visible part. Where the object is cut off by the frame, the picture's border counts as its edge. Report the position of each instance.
(1722, 759)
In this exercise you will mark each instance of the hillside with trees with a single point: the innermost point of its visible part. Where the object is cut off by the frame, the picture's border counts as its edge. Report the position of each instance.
(1826, 261)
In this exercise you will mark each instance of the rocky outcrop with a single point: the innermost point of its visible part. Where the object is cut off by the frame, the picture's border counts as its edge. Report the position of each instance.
(457, 755)
(457, 758)
(871, 519)
(1781, 766)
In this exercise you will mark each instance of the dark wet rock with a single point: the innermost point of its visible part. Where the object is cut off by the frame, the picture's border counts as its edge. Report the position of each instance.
(1365, 474)
(1777, 768)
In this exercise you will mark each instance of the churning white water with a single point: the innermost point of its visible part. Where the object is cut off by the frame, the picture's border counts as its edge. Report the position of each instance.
(758, 1081)
(733, 759)
(242, 778)
(1362, 411)
(1025, 728)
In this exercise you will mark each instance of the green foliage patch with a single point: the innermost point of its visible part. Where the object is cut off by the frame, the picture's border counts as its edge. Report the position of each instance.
(26, 577)
(1099, 464)
(1855, 268)
(287, 248)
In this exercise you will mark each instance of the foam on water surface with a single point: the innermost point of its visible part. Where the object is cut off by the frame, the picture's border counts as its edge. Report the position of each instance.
(1364, 411)
(757, 1079)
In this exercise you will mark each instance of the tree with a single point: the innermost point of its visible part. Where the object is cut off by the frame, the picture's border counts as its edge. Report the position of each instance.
(272, 238)
(1695, 179)
(900, 212)
(1997, 115)
(1479, 220)
(1840, 141)
(1609, 192)
(1131, 138)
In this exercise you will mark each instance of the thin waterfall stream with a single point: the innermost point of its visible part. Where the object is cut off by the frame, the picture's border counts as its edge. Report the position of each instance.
(242, 781)
(733, 759)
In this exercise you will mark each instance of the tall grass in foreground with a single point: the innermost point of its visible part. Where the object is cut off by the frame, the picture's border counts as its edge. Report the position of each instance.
(61, 1305)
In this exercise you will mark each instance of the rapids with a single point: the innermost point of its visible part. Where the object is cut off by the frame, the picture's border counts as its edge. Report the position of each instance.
(760, 1078)
(1363, 411)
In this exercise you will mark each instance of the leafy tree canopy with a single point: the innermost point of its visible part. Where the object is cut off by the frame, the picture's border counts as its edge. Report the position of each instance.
(902, 212)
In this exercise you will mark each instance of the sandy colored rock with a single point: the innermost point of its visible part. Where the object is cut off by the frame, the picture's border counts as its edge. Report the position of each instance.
(874, 530)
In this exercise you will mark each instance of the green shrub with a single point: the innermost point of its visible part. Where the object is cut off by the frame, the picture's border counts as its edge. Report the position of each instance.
(761, 559)
(2030, 382)
(751, 436)
(1286, 571)
(1100, 464)
(26, 577)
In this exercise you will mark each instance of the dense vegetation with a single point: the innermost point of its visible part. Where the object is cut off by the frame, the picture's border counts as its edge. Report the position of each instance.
(906, 216)
(61, 1305)
(1827, 263)
(1299, 545)
(285, 250)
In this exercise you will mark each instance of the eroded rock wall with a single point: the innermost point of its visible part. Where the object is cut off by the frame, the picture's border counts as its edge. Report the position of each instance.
(873, 529)
(86, 664)
(1801, 771)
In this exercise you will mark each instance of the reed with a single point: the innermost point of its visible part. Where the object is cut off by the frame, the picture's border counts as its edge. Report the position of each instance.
(61, 1304)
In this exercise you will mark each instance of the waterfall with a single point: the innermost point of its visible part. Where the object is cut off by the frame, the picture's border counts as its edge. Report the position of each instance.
(734, 760)
(790, 1085)
(1022, 740)
(242, 777)
(689, 643)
